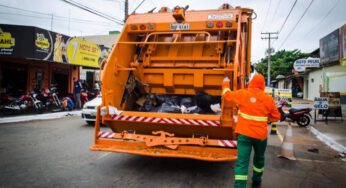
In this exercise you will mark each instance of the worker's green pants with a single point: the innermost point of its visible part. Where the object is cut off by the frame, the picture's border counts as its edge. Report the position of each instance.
(245, 145)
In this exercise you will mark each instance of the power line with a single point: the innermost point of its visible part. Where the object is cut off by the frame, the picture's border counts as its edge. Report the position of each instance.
(283, 24)
(289, 34)
(266, 17)
(55, 16)
(93, 11)
(83, 7)
(274, 15)
(49, 18)
(138, 6)
(322, 20)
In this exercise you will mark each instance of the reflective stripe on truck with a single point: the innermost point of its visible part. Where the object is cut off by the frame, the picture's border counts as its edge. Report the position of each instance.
(195, 122)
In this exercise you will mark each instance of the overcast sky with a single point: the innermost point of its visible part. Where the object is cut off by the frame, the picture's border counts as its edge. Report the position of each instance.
(323, 17)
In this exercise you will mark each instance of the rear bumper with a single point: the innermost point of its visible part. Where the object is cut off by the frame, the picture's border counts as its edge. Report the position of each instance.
(183, 151)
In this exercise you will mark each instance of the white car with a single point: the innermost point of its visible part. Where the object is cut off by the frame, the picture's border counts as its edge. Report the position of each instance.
(89, 110)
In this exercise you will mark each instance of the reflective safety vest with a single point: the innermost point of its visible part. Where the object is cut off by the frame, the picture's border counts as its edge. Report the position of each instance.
(254, 118)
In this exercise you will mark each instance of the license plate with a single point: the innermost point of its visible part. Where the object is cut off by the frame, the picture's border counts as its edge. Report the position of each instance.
(180, 26)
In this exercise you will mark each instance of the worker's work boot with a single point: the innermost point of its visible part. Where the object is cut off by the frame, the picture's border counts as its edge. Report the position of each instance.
(256, 184)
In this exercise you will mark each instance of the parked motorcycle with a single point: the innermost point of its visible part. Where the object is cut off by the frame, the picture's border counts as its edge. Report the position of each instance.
(50, 97)
(300, 115)
(37, 104)
(25, 102)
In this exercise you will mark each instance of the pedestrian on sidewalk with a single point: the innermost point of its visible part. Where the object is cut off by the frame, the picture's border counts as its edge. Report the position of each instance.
(255, 110)
(77, 92)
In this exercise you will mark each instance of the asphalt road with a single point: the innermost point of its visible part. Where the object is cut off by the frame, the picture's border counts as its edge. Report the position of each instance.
(55, 154)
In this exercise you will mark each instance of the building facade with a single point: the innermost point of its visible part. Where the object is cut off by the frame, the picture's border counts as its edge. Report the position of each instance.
(32, 58)
(331, 75)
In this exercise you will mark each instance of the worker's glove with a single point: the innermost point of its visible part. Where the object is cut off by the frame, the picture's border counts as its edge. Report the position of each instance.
(226, 83)
(226, 79)
(215, 108)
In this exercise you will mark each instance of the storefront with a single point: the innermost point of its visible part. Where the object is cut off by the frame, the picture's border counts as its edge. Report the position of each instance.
(331, 75)
(32, 59)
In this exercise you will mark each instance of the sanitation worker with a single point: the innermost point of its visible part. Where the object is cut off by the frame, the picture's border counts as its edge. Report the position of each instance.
(256, 108)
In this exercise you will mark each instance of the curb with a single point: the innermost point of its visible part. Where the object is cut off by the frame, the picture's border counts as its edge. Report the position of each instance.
(328, 141)
(48, 116)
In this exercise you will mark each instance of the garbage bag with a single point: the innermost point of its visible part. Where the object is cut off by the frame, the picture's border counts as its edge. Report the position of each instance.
(204, 101)
(187, 102)
(168, 108)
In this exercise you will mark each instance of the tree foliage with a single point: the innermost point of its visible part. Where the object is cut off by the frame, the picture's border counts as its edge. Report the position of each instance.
(281, 63)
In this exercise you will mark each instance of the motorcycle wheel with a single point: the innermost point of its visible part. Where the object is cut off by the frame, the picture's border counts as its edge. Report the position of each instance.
(39, 107)
(303, 121)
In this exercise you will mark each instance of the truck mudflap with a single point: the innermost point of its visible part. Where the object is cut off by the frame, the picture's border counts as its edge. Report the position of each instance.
(163, 144)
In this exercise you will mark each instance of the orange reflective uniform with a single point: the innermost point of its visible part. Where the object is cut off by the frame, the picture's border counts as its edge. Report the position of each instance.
(256, 108)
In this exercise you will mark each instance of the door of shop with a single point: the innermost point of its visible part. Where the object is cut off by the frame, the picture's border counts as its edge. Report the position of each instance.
(60, 77)
(14, 79)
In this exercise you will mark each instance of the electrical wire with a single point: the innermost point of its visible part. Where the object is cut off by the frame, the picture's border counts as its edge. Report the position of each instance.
(322, 20)
(49, 18)
(138, 6)
(266, 17)
(95, 12)
(55, 16)
(283, 24)
(275, 12)
(295, 26)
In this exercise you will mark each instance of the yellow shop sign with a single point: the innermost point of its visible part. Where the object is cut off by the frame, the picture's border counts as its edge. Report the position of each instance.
(6, 40)
(41, 41)
(81, 52)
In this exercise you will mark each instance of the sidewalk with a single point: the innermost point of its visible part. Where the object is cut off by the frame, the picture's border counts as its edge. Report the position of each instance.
(45, 116)
(333, 133)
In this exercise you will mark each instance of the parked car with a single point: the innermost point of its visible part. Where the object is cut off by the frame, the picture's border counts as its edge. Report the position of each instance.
(89, 110)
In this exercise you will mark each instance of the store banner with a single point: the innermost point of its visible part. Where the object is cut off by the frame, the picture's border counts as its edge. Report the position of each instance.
(16, 41)
(343, 45)
(43, 44)
(300, 65)
(37, 43)
(329, 48)
(81, 52)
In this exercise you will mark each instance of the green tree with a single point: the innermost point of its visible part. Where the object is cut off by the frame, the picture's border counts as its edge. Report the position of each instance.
(281, 63)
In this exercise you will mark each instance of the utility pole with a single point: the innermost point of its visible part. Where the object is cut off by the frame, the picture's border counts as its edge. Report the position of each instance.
(126, 10)
(269, 36)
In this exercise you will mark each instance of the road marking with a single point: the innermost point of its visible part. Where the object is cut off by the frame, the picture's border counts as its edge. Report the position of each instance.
(102, 156)
(319, 161)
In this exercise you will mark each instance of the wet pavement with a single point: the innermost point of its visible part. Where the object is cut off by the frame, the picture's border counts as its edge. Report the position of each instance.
(54, 153)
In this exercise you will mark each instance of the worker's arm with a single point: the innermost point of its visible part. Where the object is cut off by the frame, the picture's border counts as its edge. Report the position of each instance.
(274, 115)
(227, 93)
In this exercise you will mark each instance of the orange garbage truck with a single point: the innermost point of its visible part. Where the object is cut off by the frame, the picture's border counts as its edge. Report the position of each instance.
(161, 84)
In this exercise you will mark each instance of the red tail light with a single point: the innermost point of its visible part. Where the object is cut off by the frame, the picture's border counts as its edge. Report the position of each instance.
(142, 27)
(219, 24)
